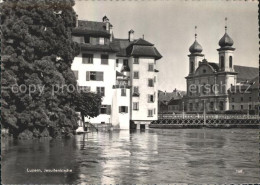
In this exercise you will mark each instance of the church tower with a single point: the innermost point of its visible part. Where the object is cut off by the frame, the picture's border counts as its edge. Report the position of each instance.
(226, 52)
(195, 55)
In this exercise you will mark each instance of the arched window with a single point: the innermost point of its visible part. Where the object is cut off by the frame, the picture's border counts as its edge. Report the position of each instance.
(222, 65)
(191, 66)
(230, 61)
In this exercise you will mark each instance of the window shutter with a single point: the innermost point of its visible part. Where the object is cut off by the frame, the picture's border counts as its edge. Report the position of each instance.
(87, 76)
(109, 109)
(82, 40)
(99, 76)
(126, 109)
(120, 109)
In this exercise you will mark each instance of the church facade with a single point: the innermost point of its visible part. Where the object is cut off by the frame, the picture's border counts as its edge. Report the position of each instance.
(208, 83)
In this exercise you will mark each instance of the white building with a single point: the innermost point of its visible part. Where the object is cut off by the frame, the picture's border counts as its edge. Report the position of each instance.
(123, 71)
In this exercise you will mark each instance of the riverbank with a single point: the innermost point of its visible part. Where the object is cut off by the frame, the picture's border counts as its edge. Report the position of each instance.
(190, 126)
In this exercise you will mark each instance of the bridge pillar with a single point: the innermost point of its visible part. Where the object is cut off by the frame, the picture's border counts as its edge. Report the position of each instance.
(138, 126)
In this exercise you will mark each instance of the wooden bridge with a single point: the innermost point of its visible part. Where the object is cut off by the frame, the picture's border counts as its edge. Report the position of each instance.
(209, 121)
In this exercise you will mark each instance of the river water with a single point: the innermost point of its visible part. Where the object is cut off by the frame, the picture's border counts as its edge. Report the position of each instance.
(154, 156)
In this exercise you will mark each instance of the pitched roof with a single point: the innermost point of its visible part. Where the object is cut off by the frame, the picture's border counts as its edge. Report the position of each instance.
(246, 73)
(255, 82)
(137, 48)
(144, 48)
(121, 44)
(167, 96)
(148, 51)
(90, 47)
(91, 27)
(142, 42)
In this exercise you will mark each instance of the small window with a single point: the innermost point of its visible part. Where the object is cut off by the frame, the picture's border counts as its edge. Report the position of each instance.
(117, 62)
(123, 109)
(222, 65)
(242, 99)
(150, 83)
(86, 39)
(105, 109)
(136, 75)
(76, 73)
(136, 60)
(94, 76)
(150, 113)
(230, 61)
(211, 105)
(233, 107)
(104, 59)
(123, 92)
(135, 106)
(87, 58)
(150, 98)
(221, 105)
(101, 91)
(125, 62)
(150, 67)
(191, 66)
(242, 107)
(136, 89)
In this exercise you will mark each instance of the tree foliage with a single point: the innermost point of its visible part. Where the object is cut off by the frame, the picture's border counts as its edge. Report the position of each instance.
(37, 50)
(88, 104)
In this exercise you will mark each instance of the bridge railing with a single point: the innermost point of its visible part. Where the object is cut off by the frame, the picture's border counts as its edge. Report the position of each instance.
(208, 116)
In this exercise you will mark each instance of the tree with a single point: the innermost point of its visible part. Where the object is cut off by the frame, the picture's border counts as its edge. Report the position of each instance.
(88, 104)
(37, 53)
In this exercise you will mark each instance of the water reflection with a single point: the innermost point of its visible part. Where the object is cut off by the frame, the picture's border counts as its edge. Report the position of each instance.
(154, 156)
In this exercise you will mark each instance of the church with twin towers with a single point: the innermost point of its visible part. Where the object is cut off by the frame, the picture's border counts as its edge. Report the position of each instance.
(209, 83)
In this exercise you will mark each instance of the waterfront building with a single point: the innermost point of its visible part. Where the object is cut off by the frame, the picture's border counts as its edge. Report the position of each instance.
(123, 71)
(208, 83)
(244, 97)
(170, 102)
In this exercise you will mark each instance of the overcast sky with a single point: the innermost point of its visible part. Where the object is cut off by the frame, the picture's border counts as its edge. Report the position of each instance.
(170, 26)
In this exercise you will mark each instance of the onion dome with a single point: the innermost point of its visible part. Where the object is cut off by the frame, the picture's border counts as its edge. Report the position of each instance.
(195, 47)
(226, 41)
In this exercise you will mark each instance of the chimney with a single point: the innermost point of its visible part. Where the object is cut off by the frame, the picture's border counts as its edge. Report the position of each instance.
(77, 20)
(111, 32)
(131, 35)
(106, 20)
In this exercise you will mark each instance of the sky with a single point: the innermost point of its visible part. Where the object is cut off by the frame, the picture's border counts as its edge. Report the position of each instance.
(169, 25)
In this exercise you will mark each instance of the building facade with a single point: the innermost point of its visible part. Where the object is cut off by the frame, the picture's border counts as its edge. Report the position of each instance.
(123, 71)
(208, 83)
(171, 102)
(244, 98)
